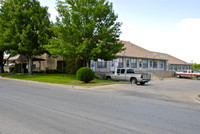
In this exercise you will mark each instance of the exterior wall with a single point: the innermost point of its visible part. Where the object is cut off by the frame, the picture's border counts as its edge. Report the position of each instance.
(101, 69)
(176, 67)
(143, 64)
(49, 63)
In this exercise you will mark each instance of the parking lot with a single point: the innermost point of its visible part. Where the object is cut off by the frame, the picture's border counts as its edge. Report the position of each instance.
(172, 89)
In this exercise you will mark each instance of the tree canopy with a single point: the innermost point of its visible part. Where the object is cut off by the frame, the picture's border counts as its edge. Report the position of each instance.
(196, 66)
(86, 29)
(26, 28)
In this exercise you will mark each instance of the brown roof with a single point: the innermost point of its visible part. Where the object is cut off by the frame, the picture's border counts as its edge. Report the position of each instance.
(174, 60)
(133, 50)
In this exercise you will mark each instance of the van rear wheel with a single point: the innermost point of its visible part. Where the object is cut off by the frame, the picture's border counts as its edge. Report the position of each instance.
(198, 77)
(133, 81)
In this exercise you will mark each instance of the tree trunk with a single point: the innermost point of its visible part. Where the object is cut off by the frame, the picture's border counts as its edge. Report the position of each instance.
(87, 64)
(1, 62)
(30, 65)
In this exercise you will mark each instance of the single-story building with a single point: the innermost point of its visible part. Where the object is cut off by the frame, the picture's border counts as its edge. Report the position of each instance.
(141, 59)
(134, 57)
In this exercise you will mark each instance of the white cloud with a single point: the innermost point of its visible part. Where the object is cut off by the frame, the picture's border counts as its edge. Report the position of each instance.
(182, 42)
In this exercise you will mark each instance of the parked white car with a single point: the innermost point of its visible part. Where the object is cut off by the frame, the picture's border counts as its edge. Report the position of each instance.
(188, 74)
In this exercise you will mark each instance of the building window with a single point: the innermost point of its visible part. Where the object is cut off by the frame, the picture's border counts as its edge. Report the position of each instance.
(179, 68)
(161, 64)
(140, 63)
(145, 63)
(112, 63)
(127, 62)
(133, 63)
(184, 67)
(121, 63)
(155, 64)
(151, 64)
(170, 67)
(175, 68)
(101, 63)
(92, 65)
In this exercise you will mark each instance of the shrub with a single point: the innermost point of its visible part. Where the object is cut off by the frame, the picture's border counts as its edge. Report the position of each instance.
(85, 74)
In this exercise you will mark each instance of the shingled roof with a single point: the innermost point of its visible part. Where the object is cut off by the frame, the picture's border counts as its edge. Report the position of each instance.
(133, 50)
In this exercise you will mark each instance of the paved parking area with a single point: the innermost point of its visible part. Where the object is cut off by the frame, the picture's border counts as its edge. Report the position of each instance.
(172, 89)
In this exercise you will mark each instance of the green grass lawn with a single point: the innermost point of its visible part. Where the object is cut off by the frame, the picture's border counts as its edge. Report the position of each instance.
(66, 79)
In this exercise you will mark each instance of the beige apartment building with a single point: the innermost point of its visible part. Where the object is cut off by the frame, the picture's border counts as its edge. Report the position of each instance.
(134, 57)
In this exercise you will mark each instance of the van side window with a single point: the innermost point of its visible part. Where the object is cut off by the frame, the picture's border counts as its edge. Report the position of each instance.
(122, 71)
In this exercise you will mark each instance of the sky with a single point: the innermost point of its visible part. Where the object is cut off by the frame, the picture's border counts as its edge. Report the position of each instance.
(167, 26)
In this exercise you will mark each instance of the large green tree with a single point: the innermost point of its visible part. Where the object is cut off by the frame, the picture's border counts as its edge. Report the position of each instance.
(86, 29)
(26, 28)
(3, 33)
(7, 32)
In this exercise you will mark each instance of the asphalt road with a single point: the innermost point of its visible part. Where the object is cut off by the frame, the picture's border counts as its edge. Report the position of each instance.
(34, 108)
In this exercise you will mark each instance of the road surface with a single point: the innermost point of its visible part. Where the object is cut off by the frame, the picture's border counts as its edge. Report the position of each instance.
(35, 108)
